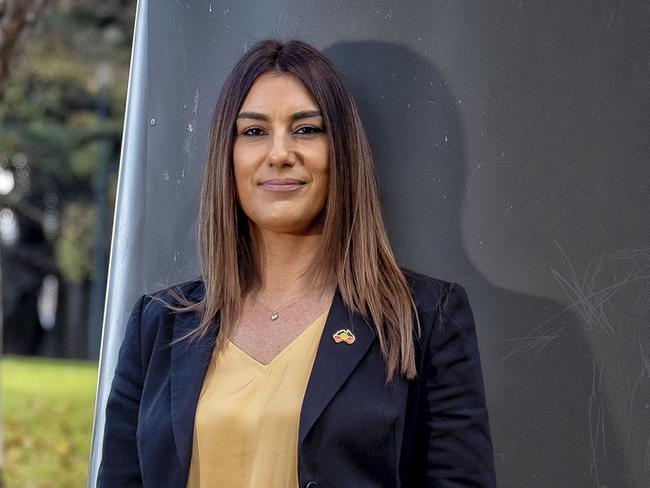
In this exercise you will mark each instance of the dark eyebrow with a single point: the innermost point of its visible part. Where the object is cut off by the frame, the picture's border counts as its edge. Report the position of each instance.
(304, 114)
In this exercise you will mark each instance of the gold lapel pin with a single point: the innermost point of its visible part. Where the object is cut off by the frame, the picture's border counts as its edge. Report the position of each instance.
(343, 335)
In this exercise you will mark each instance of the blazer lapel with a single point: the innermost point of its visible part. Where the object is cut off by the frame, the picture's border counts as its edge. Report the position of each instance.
(334, 362)
(189, 363)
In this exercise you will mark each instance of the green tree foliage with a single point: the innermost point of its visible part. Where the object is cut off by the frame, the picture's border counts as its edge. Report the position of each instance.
(62, 113)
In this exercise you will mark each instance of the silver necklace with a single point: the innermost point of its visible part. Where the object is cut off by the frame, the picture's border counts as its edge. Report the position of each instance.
(276, 313)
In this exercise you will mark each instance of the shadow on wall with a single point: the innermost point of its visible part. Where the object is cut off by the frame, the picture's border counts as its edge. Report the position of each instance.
(551, 408)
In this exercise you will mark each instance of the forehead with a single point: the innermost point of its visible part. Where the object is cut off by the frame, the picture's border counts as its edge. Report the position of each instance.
(278, 90)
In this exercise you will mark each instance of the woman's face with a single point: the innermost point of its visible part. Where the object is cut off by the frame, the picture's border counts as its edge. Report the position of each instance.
(281, 155)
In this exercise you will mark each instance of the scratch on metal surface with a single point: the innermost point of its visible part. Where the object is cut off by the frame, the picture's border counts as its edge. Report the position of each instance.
(190, 136)
(646, 457)
(596, 416)
(631, 405)
(610, 303)
(584, 300)
(644, 357)
(180, 178)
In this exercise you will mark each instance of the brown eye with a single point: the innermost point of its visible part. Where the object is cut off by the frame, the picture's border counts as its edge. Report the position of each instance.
(253, 131)
(309, 130)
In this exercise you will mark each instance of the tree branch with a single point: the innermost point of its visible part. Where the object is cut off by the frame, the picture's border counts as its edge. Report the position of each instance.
(15, 15)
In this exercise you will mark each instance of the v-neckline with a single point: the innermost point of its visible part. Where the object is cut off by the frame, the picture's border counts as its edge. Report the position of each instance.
(282, 352)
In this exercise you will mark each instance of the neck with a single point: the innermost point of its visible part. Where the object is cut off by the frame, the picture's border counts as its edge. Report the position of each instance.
(282, 259)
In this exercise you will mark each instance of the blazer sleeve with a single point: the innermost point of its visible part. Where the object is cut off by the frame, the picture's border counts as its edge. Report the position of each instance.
(458, 441)
(120, 465)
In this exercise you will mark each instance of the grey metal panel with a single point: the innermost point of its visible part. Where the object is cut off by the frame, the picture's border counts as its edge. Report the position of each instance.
(511, 142)
(128, 251)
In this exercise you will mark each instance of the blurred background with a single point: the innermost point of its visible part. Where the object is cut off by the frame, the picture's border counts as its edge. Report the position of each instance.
(63, 81)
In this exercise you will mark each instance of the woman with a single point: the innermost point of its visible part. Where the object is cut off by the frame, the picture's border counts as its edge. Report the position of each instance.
(304, 355)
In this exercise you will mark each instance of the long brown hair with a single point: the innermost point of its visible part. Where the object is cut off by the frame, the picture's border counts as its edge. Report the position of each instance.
(354, 251)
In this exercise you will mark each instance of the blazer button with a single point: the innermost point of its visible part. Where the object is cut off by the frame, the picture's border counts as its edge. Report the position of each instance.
(312, 484)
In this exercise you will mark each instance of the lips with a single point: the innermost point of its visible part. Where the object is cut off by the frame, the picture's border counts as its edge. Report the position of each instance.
(283, 181)
(282, 185)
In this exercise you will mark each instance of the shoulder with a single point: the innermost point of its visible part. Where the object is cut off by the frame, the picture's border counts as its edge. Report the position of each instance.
(193, 289)
(151, 321)
(443, 306)
(151, 311)
(429, 292)
(156, 303)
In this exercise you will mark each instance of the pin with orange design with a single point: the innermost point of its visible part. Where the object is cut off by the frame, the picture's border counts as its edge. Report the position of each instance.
(343, 335)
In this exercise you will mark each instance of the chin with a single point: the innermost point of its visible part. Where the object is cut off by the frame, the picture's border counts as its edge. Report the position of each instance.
(288, 227)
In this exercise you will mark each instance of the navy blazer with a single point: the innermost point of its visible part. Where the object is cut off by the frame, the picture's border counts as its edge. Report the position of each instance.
(355, 431)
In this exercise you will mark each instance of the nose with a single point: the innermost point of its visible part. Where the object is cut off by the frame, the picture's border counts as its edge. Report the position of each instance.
(281, 151)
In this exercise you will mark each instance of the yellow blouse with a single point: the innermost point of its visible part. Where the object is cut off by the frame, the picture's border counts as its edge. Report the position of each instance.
(247, 416)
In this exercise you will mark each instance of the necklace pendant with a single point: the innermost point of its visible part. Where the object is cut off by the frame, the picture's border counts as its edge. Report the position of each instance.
(274, 315)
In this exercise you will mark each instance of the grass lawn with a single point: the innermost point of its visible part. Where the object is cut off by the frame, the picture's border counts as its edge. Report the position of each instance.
(47, 408)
